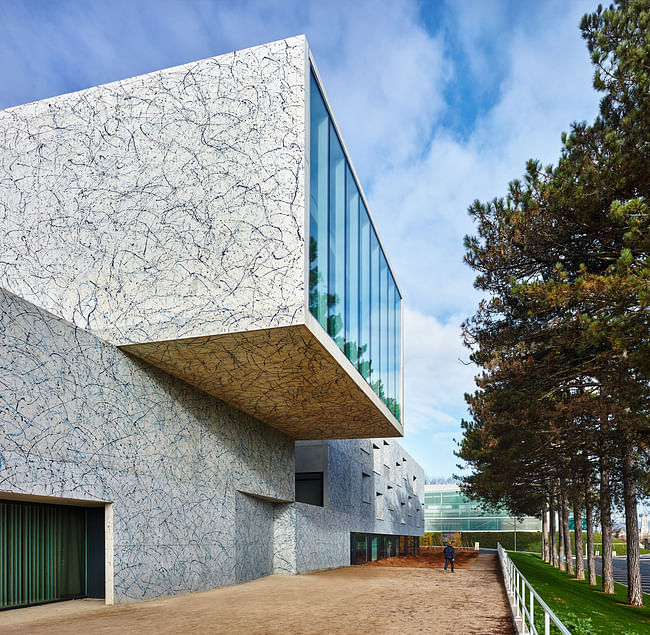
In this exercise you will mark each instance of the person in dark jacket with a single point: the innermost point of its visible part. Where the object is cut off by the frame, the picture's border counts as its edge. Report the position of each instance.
(450, 554)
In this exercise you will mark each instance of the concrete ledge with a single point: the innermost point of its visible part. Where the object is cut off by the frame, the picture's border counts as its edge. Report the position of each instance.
(285, 377)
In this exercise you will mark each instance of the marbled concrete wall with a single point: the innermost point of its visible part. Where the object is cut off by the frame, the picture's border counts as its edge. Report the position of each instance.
(284, 538)
(166, 214)
(283, 376)
(253, 538)
(81, 419)
(357, 471)
(165, 206)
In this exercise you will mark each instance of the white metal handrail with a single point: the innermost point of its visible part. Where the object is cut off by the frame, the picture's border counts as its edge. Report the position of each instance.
(524, 614)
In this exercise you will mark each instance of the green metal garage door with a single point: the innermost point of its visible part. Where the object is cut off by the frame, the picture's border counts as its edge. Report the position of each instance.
(43, 553)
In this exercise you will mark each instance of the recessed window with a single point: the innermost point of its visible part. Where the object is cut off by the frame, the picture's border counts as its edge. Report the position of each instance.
(366, 487)
(309, 488)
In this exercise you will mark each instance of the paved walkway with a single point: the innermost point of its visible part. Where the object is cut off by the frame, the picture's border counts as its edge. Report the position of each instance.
(350, 600)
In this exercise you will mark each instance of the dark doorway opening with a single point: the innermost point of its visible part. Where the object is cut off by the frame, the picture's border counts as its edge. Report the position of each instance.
(50, 553)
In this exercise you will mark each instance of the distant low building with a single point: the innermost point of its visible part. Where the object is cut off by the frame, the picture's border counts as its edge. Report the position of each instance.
(447, 509)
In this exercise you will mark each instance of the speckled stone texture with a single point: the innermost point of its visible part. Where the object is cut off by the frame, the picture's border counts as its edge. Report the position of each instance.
(81, 419)
(253, 538)
(161, 220)
(165, 206)
(166, 213)
(201, 492)
(322, 535)
(282, 376)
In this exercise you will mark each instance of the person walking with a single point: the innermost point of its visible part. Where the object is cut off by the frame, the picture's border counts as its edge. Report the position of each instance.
(450, 554)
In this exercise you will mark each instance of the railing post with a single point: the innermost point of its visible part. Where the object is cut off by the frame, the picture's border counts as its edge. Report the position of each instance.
(517, 592)
(532, 610)
(524, 620)
(523, 599)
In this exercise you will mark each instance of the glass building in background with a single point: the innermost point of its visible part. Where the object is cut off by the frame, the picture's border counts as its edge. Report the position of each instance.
(447, 509)
(352, 291)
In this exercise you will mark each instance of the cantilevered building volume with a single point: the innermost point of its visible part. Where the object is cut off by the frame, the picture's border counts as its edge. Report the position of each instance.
(199, 327)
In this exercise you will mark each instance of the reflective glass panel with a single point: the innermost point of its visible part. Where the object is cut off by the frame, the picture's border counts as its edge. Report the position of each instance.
(318, 207)
(336, 296)
(351, 288)
(398, 355)
(390, 393)
(352, 341)
(364, 292)
(375, 310)
(383, 326)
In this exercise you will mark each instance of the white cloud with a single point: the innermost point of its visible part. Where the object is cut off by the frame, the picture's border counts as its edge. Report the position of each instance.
(382, 79)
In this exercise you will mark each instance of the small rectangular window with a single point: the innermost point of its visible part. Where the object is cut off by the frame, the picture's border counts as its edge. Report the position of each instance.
(365, 487)
(309, 488)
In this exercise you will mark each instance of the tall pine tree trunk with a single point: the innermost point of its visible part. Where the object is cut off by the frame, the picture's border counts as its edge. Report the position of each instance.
(560, 529)
(577, 530)
(566, 532)
(545, 550)
(551, 521)
(606, 523)
(589, 515)
(634, 590)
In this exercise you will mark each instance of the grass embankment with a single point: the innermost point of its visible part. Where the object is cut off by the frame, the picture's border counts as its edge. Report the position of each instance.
(583, 609)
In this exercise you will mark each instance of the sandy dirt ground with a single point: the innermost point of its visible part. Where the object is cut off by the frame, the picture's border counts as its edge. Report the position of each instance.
(361, 599)
(430, 559)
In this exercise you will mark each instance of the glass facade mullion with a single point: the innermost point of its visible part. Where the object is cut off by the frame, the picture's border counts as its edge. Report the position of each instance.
(398, 355)
(383, 326)
(319, 206)
(336, 295)
(352, 339)
(390, 392)
(375, 311)
(364, 292)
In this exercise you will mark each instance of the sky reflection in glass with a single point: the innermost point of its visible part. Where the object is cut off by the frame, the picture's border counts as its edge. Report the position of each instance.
(352, 293)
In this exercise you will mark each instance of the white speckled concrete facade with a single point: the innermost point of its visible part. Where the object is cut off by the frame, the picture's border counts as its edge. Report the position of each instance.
(165, 206)
(82, 420)
(372, 486)
(156, 354)
(202, 494)
(167, 214)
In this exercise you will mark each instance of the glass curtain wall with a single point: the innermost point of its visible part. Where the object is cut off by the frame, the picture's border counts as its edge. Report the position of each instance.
(453, 511)
(369, 547)
(352, 292)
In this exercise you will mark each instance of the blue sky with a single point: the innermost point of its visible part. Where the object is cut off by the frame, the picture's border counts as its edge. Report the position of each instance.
(440, 103)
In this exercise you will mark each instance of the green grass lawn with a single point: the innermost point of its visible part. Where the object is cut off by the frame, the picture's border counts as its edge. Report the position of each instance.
(584, 610)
